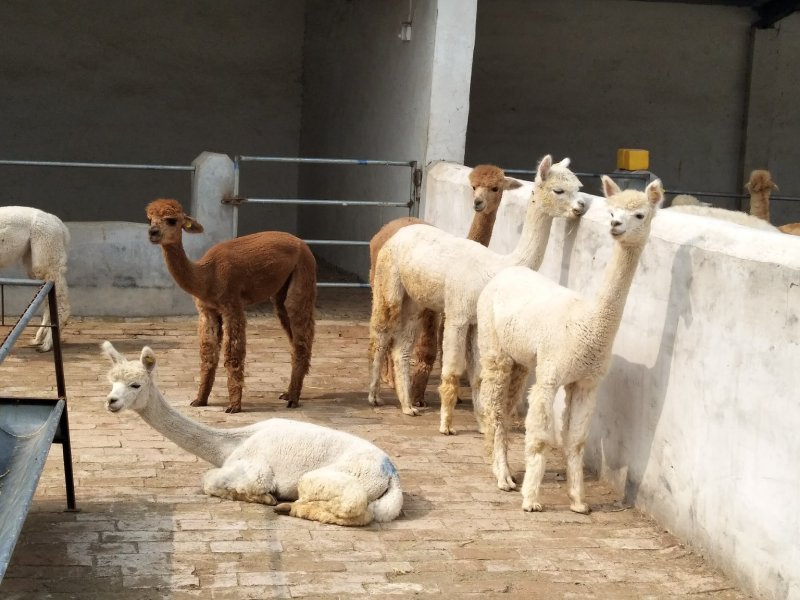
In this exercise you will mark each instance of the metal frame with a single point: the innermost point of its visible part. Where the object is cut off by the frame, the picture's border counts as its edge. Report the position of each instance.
(46, 291)
(412, 204)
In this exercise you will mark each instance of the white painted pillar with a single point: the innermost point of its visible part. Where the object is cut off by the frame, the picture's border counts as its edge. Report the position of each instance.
(213, 181)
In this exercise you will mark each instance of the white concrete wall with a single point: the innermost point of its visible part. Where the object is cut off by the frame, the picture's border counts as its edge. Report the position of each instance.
(585, 78)
(369, 95)
(697, 419)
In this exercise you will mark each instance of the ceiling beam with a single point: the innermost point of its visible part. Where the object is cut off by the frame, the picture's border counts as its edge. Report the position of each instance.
(773, 11)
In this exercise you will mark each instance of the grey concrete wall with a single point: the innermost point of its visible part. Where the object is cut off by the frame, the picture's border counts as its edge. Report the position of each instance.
(146, 82)
(697, 419)
(367, 94)
(581, 79)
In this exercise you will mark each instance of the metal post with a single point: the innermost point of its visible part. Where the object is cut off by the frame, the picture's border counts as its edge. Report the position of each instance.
(236, 195)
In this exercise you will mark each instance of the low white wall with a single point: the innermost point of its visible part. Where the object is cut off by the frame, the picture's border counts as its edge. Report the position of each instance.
(698, 417)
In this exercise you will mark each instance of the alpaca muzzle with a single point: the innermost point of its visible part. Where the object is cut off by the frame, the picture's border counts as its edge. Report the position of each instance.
(113, 404)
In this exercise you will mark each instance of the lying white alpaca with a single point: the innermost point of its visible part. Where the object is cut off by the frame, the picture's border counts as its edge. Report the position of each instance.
(723, 214)
(526, 320)
(421, 267)
(333, 476)
(39, 241)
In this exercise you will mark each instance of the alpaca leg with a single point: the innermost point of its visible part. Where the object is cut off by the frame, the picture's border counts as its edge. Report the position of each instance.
(387, 302)
(44, 335)
(496, 372)
(577, 418)
(453, 365)
(328, 495)
(209, 332)
(473, 357)
(234, 343)
(539, 433)
(299, 306)
(401, 356)
(424, 356)
(241, 480)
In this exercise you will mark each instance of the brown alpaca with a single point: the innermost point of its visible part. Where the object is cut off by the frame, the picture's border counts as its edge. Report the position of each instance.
(488, 184)
(230, 276)
(760, 187)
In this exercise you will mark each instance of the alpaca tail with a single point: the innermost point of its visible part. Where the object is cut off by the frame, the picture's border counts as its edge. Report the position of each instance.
(388, 506)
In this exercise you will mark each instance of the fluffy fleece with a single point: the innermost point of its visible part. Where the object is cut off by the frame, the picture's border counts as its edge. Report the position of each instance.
(732, 216)
(488, 183)
(422, 267)
(331, 476)
(271, 265)
(528, 321)
(40, 242)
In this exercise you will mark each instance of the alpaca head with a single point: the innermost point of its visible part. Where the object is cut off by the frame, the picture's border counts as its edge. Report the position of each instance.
(556, 189)
(760, 181)
(167, 221)
(488, 184)
(130, 380)
(632, 211)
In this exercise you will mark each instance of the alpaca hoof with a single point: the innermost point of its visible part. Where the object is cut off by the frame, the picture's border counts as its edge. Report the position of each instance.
(411, 412)
(447, 430)
(284, 508)
(420, 403)
(531, 507)
(198, 402)
(459, 400)
(374, 400)
(580, 508)
(43, 348)
(293, 403)
(234, 409)
(507, 484)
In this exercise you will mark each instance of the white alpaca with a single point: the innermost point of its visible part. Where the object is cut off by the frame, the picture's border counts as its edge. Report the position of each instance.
(422, 267)
(723, 214)
(39, 241)
(333, 476)
(528, 321)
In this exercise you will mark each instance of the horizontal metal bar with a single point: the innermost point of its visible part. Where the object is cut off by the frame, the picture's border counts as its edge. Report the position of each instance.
(327, 161)
(582, 174)
(343, 284)
(27, 400)
(337, 242)
(724, 195)
(12, 336)
(90, 165)
(321, 202)
(11, 281)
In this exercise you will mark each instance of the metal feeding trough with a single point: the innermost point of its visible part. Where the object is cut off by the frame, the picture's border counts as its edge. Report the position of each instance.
(28, 426)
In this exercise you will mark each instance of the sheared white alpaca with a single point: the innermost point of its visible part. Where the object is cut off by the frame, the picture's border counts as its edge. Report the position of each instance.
(687, 200)
(528, 321)
(39, 241)
(723, 214)
(421, 267)
(333, 476)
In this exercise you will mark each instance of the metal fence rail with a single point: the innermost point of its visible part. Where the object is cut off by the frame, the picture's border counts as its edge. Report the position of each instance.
(94, 165)
(412, 203)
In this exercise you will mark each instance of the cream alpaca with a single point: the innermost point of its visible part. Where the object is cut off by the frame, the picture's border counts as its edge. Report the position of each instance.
(333, 476)
(40, 241)
(230, 276)
(527, 321)
(488, 184)
(422, 267)
(723, 214)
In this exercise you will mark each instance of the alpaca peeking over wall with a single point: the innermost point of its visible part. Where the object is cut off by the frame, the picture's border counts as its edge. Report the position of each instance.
(271, 265)
(322, 474)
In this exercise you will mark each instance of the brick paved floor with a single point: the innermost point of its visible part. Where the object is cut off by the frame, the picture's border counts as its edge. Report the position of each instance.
(146, 530)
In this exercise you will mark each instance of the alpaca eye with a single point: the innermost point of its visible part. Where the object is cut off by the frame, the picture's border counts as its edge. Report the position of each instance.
(558, 191)
(495, 188)
(171, 222)
(474, 187)
(135, 386)
(640, 216)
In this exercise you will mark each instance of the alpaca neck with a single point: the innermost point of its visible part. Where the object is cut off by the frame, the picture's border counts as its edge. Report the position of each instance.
(482, 225)
(185, 272)
(613, 293)
(759, 205)
(211, 444)
(533, 241)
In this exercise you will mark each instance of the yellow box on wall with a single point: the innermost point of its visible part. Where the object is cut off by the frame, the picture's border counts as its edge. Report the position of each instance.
(633, 160)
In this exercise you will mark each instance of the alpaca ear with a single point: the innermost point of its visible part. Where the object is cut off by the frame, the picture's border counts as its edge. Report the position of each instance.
(565, 162)
(610, 187)
(112, 353)
(655, 192)
(148, 358)
(191, 226)
(511, 184)
(544, 168)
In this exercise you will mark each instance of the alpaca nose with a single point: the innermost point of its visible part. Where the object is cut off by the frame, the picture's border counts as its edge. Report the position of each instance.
(153, 230)
(616, 222)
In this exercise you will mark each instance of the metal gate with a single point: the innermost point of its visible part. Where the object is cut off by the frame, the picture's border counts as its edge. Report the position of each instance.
(411, 202)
